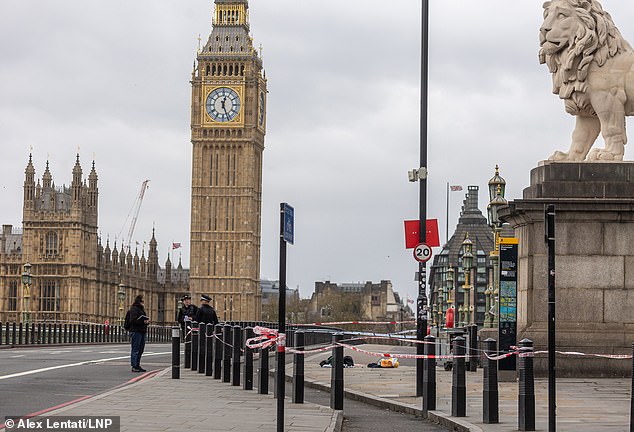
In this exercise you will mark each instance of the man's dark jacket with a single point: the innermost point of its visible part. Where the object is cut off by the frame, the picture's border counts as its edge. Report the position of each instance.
(206, 314)
(137, 318)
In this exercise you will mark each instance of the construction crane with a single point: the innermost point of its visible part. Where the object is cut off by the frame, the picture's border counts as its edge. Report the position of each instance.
(134, 211)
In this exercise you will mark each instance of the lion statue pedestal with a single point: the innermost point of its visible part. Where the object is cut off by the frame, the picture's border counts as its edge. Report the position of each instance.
(594, 205)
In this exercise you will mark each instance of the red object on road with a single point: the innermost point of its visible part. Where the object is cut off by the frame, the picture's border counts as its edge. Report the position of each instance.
(412, 238)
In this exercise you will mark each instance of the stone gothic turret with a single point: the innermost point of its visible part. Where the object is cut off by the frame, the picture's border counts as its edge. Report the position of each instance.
(76, 185)
(152, 260)
(29, 185)
(93, 190)
(47, 178)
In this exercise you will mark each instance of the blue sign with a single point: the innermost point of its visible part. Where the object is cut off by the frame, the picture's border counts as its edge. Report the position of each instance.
(288, 231)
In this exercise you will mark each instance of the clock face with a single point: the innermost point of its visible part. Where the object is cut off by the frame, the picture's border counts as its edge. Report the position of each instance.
(223, 104)
(261, 117)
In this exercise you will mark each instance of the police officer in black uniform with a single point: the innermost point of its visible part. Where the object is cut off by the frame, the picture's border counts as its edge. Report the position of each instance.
(187, 312)
(206, 314)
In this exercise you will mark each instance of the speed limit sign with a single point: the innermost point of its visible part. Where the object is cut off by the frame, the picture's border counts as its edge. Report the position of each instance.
(422, 252)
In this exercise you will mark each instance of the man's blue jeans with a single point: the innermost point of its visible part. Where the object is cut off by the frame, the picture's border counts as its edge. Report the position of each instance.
(137, 342)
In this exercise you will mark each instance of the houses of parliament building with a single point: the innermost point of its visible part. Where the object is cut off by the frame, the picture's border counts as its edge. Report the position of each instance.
(74, 276)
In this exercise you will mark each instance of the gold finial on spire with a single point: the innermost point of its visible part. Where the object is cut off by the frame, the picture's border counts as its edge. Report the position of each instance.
(199, 40)
(260, 48)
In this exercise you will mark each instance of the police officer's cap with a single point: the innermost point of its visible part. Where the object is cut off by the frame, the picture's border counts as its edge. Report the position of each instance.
(205, 297)
(186, 296)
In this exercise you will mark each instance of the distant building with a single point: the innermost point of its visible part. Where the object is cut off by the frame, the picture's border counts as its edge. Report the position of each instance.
(364, 301)
(74, 277)
(474, 224)
(271, 292)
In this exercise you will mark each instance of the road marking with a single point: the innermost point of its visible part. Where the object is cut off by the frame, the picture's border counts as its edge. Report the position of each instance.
(17, 356)
(34, 371)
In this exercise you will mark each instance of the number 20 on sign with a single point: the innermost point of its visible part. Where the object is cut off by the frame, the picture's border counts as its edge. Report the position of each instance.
(422, 252)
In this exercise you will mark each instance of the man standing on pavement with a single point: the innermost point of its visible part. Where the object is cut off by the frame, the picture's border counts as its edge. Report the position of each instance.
(206, 314)
(137, 322)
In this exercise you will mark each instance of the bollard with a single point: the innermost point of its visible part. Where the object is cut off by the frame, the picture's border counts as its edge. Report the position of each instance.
(237, 344)
(226, 358)
(65, 333)
(336, 375)
(40, 339)
(195, 335)
(49, 337)
(13, 338)
(526, 400)
(202, 347)
(298, 369)
(176, 352)
(458, 382)
(26, 333)
(6, 333)
(490, 402)
(631, 394)
(472, 363)
(20, 335)
(248, 360)
(429, 375)
(1, 333)
(218, 351)
(263, 376)
(188, 344)
(209, 355)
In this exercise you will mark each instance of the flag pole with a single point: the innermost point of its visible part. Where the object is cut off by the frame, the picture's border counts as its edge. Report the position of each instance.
(447, 217)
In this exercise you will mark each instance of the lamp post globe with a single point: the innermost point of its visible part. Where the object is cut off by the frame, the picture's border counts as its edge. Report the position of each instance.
(497, 183)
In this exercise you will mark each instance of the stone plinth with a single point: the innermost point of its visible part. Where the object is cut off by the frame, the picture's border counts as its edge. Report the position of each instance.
(594, 204)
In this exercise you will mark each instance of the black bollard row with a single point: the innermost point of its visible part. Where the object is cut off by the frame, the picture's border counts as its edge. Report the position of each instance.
(188, 344)
(263, 376)
(490, 399)
(176, 353)
(248, 361)
(458, 382)
(209, 355)
(218, 350)
(526, 400)
(336, 376)
(237, 344)
(202, 347)
(226, 358)
(195, 334)
(429, 375)
(298, 369)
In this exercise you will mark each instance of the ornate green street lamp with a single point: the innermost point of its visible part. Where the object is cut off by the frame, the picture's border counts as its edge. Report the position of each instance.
(497, 188)
(27, 280)
(467, 265)
(121, 297)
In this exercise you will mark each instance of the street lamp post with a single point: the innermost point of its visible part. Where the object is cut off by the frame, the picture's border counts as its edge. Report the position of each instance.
(26, 292)
(121, 297)
(497, 187)
(467, 264)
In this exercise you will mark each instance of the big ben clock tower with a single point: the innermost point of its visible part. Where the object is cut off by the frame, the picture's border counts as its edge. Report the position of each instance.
(228, 119)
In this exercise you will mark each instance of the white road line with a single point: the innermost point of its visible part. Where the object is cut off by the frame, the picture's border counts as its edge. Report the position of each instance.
(34, 371)
(17, 356)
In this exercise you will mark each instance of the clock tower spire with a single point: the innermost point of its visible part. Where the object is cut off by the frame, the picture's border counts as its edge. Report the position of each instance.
(228, 127)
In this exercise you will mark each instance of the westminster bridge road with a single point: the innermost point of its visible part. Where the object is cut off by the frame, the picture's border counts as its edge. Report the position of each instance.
(38, 378)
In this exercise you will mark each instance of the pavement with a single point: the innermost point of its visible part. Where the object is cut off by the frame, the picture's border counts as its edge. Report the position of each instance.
(196, 402)
(592, 405)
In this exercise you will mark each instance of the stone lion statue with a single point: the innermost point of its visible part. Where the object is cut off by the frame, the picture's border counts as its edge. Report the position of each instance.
(593, 72)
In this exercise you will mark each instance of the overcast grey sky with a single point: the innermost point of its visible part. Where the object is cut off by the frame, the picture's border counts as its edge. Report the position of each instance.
(112, 77)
